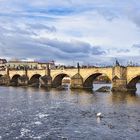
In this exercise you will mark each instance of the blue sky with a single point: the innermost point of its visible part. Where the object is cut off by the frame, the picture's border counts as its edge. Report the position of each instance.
(70, 31)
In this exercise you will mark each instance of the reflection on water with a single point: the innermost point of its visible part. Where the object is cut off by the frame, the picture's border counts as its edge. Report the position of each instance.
(97, 86)
(32, 113)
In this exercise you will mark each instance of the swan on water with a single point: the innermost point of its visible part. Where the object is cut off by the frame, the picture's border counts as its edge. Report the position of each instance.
(99, 114)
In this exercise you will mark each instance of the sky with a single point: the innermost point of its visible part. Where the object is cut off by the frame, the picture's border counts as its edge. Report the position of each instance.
(92, 32)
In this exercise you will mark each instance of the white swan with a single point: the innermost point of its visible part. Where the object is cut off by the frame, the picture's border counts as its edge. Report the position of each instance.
(99, 114)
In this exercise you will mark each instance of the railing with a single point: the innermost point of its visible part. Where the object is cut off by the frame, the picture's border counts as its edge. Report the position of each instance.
(66, 67)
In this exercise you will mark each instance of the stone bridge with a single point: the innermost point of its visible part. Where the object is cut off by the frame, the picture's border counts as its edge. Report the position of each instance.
(122, 78)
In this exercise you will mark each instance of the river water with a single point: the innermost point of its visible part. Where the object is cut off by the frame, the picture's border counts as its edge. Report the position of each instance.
(39, 114)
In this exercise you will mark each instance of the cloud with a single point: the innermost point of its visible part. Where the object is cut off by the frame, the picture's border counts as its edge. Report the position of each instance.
(137, 46)
(23, 46)
(67, 30)
(69, 47)
(98, 51)
(74, 47)
(123, 50)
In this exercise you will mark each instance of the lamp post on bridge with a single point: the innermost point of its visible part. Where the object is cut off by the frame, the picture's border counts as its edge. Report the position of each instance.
(26, 68)
(78, 67)
(47, 72)
(7, 70)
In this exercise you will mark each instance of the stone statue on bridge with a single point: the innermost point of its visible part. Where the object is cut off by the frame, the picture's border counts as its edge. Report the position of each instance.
(117, 63)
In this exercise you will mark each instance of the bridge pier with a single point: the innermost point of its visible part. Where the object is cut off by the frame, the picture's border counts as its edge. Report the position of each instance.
(4, 80)
(45, 81)
(119, 85)
(77, 82)
(23, 80)
(119, 81)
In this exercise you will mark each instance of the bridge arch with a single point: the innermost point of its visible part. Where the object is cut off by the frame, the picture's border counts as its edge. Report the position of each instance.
(132, 83)
(14, 79)
(88, 82)
(34, 80)
(57, 80)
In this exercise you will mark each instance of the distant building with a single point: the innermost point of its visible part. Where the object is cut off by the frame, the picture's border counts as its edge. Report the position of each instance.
(16, 64)
(3, 64)
(43, 65)
(3, 61)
